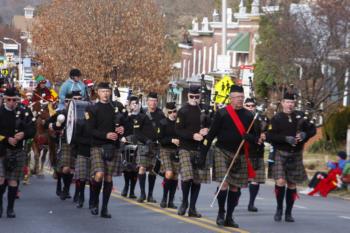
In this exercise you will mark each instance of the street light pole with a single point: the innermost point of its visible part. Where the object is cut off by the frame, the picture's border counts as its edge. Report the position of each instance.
(224, 27)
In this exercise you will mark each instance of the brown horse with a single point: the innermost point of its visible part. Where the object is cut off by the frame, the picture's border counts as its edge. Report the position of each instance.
(43, 141)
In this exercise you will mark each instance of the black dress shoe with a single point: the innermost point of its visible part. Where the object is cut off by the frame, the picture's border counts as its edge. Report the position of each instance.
(193, 213)
(171, 205)
(163, 203)
(220, 219)
(80, 203)
(151, 199)
(58, 192)
(132, 196)
(105, 214)
(141, 199)
(252, 208)
(278, 215)
(76, 197)
(182, 209)
(11, 213)
(124, 193)
(229, 222)
(289, 218)
(94, 210)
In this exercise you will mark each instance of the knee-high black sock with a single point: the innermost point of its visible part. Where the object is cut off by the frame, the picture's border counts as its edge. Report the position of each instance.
(66, 182)
(185, 186)
(195, 188)
(91, 193)
(172, 190)
(96, 192)
(253, 192)
(2, 191)
(151, 182)
(280, 191)
(142, 182)
(59, 182)
(107, 190)
(232, 202)
(222, 200)
(126, 182)
(82, 189)
(11, 196)
(166, 188)
(133, 180)
(291, 195)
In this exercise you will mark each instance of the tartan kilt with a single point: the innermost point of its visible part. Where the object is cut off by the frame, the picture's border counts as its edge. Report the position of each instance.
(188, 173)
(238, 176)
(147, 161)
(292, 170)
(167, 163)
(109, 168)
(67, 159)
(82, 168)
(260, 172)
(17, 173)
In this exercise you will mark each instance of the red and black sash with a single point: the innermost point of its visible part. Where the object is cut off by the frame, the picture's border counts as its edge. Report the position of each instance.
(239, 125)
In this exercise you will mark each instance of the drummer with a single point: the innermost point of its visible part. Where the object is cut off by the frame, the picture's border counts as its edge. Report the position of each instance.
(64, 163)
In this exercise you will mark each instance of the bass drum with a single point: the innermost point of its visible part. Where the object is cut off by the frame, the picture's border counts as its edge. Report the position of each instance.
(75, 118)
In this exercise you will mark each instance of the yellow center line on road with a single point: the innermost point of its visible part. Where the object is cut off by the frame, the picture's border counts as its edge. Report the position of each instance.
(201, 222)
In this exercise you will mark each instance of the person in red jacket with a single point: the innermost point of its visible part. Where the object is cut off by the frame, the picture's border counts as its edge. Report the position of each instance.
(41, 92)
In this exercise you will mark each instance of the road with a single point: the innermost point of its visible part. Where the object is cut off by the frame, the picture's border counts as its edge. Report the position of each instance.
(40, 211)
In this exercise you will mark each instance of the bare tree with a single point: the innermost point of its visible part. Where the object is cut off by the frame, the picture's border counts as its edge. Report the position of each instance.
(304, 45)
(122, 40)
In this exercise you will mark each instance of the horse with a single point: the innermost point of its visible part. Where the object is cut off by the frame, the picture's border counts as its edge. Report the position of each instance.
(43, 140)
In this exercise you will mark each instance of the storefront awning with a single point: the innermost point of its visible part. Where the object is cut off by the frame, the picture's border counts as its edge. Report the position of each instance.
(240, 43)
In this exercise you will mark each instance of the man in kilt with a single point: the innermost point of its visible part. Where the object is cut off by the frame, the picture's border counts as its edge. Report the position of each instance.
(191, 132)
(256, 154)
(16, 125)
(146, 132)
(129, 153)
(56, 126)
(289, 131)
(169, 155)
(105, 125)
(229, 127)
(67, 153)
(82, 142)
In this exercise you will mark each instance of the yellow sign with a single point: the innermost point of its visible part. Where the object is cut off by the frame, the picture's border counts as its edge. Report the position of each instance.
(222, 90)
(5, 72)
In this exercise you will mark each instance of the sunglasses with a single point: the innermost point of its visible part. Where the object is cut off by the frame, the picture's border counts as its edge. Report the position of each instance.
(171, 111)
(250, 105)
(194, 97)
(66, 101)
(11, 99)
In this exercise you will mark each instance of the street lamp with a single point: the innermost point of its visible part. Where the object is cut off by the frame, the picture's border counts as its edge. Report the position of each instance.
(19, 48)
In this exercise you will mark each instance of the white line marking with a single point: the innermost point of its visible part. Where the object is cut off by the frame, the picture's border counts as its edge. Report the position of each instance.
(259, 198)
(300, 207)
(345, 217)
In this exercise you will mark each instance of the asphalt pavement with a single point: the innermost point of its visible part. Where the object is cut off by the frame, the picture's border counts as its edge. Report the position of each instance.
(39, 210)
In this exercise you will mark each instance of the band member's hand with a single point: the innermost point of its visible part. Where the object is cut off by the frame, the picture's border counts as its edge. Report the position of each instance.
(119, 130)
(197, 137)
(204, 131)
(262, 139)
(291, 140)
(300, 136)
(19, 136)
(12, 141)
(112, 136)
(175, 141)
